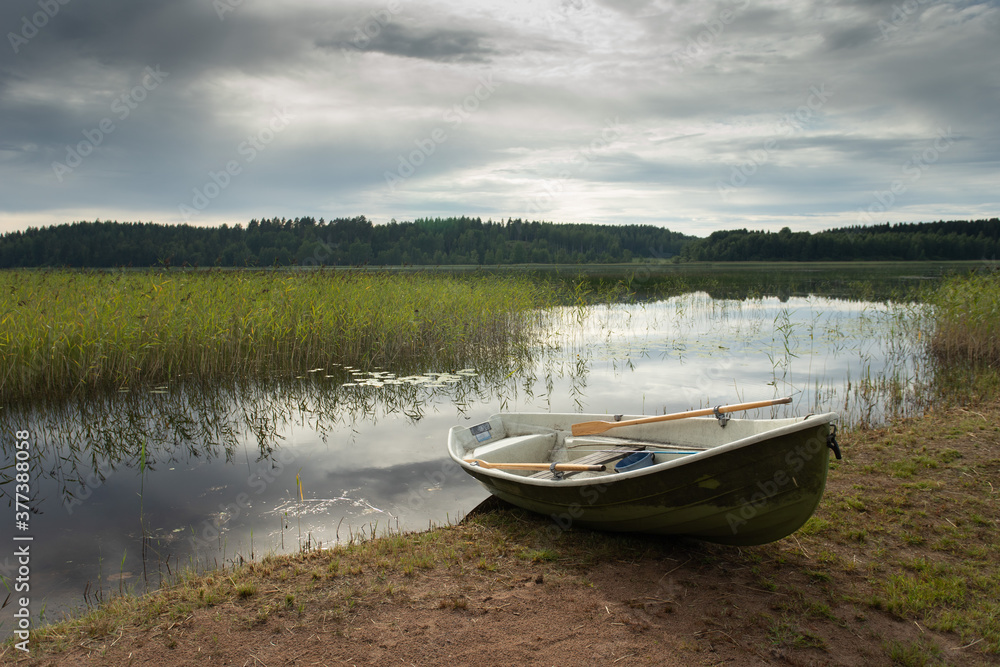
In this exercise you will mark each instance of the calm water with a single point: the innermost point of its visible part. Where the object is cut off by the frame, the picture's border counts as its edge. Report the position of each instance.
(213, 476)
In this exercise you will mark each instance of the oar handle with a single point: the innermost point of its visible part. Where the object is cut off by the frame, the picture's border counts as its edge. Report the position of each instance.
(557, 467)
(593, 428)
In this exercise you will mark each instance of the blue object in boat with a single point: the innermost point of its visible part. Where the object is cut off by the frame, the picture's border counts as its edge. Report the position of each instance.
(634, 462)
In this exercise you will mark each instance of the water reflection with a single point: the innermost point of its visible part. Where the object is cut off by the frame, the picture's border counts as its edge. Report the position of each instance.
(128, 488)
(852, 281)
(82, 442)
(866, 360)
(131, 486)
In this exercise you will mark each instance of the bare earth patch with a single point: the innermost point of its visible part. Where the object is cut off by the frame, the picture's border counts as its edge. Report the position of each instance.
(900, 565)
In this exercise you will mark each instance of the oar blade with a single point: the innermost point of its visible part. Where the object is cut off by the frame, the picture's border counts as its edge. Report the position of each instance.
(591, 428)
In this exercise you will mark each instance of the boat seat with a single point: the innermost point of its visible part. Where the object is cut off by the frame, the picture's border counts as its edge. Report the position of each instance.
(533, 447)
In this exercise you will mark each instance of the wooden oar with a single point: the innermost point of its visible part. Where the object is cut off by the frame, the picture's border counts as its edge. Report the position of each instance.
(557, 467)
(637, 451)
(592, 428)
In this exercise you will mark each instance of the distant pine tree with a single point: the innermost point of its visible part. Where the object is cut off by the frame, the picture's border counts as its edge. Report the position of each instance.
(343, 241)
(954, 240)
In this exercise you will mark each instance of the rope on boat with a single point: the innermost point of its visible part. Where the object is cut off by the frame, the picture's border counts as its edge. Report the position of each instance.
(831, 441)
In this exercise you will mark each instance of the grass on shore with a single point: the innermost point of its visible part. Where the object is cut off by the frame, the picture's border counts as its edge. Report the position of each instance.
(66, 331)
(900, 565)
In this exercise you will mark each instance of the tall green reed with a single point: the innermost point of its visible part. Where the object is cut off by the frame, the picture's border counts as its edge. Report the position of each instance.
(64, 332)
(967, 320)
(965, 340)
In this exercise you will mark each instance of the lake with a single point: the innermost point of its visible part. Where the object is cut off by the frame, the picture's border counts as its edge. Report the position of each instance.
(133, 487)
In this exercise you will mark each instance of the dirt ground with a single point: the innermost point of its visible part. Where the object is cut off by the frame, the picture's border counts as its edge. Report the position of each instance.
(656, 611)
(498, 590)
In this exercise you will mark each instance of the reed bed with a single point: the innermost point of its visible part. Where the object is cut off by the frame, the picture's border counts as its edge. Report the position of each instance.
(967, 320)
(64, 332)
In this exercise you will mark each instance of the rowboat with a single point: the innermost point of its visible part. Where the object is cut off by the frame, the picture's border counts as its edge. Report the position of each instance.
(714, 478)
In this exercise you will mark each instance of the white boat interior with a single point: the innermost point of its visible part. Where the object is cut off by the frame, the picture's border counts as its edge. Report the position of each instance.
(547, 438)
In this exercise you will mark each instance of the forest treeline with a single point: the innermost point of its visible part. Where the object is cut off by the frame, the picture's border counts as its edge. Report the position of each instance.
(954, 240)
(463, 240)
(344, 241)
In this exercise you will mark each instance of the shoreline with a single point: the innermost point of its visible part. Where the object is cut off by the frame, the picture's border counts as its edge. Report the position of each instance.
(899, 564)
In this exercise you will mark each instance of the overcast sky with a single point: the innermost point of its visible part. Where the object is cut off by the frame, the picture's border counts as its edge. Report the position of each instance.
(692, 115)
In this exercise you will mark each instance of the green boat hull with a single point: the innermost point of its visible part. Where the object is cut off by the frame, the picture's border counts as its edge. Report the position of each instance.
(754, 493)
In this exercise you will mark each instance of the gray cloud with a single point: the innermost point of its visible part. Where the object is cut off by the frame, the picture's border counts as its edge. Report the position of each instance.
(515, 92)
(439, 44)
